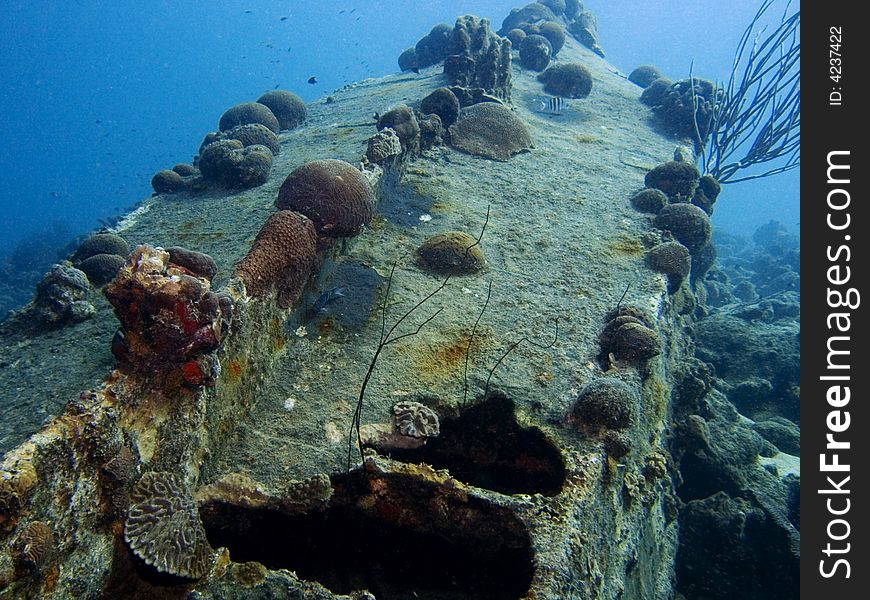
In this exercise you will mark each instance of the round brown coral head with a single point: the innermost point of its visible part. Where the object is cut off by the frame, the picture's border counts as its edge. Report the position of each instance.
(332, 193)
(450, 253)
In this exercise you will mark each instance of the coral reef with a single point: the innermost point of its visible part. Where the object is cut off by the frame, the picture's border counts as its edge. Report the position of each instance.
(184, 169)
(332, 193)
(102, 268)
(101, 243)
(649, 200)
(687, 104)
(197, 263)
(450, 253)
(61, 298)
(170, 321)
(281, 258)
(519, 18)
(401, 119)
(653, 95)
(411, 425)
(230, 163)
(535, 52)
(441, 102)
(490, 130)
(383, 145)
(287, 107)
(433, 47)
(516, 36)
(249, 112)
(644, 75)
(568, 80)
(689, 225)
(163, 527)
(670, 258)
(478, 58)
(249, 135)
(677, 179)
(605, 403)
(167, 182)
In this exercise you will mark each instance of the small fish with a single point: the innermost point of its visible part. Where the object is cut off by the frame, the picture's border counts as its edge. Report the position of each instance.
(312, 80)
(284, 18)
(326, 298)
(415, 69)
(554, 105)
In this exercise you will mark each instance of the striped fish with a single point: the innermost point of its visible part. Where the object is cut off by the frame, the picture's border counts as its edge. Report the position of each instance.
(553, 105)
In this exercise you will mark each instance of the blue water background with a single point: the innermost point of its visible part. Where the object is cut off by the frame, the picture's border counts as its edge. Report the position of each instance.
(95, 97)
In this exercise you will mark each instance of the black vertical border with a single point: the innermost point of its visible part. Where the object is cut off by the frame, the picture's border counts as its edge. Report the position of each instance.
(826, 128)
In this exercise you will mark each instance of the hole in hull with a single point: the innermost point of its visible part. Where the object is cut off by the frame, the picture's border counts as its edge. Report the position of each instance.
(398, 536)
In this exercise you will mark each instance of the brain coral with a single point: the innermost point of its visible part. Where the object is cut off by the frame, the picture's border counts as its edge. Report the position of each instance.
(627, 336)
(102, 268)
(605, 402)
(569, 80)
(677, 179)
(688, 223)
(530, 13)
(644, 75)
(441, 102)
(332, 193)
(654, 93)
(253, 134)
(649, 200)
(535, 52)
(281, 258)
(163, 527)
(450, 253)
(490, 130)
(101, 243)
(401, 119)
(383, 145)
(670, 258)
(33, 546)
(516, 36)
(287, 107)
(249, 112)
(415, 420)
(230, 163)
(167, 182)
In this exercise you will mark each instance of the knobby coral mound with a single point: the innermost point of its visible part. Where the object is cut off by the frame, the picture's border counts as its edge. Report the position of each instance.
(408, 60)
(649, 200)
(254, 134)
(184, 169)
(688, 105)
(332, 193)
(530, 13)
(383, 145)
(516, 36)
(644, 75)
(706, 193)
(535, 52)
(287, 107)
(230, 163)
(411, 425)
(170, 320)
(490, 130)
(450, 253)
(401, 119)
(569, 80)
(249, 112)
(102, 268)
(677, 179)
(431, 131)
(167, 182)
(479, 58)
(281, 258)
(670, 258)
(62, 297)
(606, 403)
(441, 102)
(163, 527)
(432, 48)
(101, 243)
(689, 225)
(554, 33)
(628, 336)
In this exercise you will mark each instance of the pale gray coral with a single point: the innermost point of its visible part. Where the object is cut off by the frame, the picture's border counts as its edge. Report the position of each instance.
(163, 527)
(490, 130)
(383, 145)
(61, 297)
(411, 425)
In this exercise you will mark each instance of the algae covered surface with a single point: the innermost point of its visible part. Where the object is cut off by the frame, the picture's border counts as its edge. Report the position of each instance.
(511, 484)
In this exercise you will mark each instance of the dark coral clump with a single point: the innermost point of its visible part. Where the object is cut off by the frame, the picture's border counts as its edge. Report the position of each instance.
(519, 18)
(689, 225)
(441, 102)
(102, 268)
(706, 193)
(605, 403)
(649, 200)
(254, 134)
(332, 193)
(671, 258)
(433, 47)
(230, 163)
(61, 298)
(688, 106)
(676, 178)
(249, 112)
(287, 107)
(33, 547)
(644, 75)
(516, 36)
(431, 131)
(535, 52)
(167, 182)
(184, 169)
(490, 130)
(478, 58)
(568, 80)
(408, 60)
(450, 253)
(401, 119)
(197, 263)
(170, 321)
(101, 243)
(554, 33)
(282, 257)
(627, 336)
(653, 95)
(163, 527)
